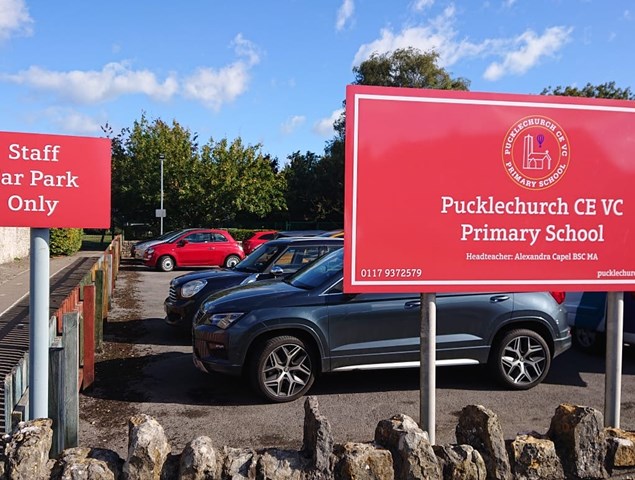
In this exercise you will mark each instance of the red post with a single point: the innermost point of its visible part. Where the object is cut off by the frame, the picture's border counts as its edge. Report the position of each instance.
(89, 336)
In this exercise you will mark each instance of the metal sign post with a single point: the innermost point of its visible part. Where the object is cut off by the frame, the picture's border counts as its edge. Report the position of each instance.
(614, 346)
(427, 367)
(39, 323)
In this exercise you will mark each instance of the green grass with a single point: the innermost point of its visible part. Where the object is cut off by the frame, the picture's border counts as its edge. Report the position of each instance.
(94, 242)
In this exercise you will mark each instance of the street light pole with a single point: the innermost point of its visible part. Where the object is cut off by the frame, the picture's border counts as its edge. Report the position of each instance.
(161, 157)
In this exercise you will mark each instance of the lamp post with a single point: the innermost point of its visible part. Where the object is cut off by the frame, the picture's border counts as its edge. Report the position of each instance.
(162, 212)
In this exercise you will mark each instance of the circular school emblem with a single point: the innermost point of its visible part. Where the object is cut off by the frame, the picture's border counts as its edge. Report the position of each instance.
(536, 152)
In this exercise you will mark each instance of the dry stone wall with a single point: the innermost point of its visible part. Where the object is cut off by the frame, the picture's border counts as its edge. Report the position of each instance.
(577, 447)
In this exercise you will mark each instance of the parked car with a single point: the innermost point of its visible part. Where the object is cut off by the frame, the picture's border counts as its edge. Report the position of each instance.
(281, 335)
(257, 239)
(138, 250)
(299, 233)
(201, 247)
(339, 233)
(275, 260)
(586, 312)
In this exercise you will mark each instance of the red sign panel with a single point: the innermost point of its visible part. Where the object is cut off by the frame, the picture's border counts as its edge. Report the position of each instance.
(461, 191)
(54, 181)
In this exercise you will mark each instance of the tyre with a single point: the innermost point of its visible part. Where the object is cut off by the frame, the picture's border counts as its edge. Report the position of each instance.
(521, 359)
(166, 263)
(588, 341)
(282, 369)
(231, 261)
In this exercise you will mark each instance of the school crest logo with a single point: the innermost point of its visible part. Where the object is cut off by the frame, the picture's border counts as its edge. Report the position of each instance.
(536, 152)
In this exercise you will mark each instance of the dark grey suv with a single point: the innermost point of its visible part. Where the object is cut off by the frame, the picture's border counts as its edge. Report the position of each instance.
(283, 334)
(275, 259)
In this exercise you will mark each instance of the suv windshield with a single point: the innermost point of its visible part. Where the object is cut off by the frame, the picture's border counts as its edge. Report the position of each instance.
(318, 272)
(259, 259)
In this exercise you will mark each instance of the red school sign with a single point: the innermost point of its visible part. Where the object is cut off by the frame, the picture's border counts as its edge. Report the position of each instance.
(54, 181)
(461, 191)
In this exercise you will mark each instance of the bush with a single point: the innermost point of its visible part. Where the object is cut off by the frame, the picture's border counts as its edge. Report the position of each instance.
(241, 234)
(65, 241)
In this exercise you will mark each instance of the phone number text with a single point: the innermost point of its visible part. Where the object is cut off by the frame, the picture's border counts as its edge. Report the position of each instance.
(390, 272)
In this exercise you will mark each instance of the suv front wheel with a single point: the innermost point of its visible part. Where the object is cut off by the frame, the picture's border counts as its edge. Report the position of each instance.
(521, 359)
(282, 368)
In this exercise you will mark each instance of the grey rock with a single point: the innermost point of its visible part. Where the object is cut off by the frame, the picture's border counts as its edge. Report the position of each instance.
(148, 449)
(238, 463)
(620, 451)
(535, 458)
(480, 428)
(28, 450)
(460, 462)
(199, 460)
(87, 464)
(317, 443)
(362, 461)
(412, 453)
(275, 464)
(578, 434)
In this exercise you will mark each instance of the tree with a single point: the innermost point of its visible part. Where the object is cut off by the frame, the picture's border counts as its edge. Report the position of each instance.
(301, 177)
(239, 180)
(604, 90)
(136, 174)
(405, 67)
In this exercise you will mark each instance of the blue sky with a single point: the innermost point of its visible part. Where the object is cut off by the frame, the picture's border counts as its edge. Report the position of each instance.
(274, 72)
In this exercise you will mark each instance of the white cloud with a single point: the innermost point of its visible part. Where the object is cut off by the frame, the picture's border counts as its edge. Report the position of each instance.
(14, 19)
(74, 122)
(215, 87)
(86, 87)
(420, 5)
(530, 49)
(324, 127)
(344, 13)
(440, 35)
(212, 87)
(292, 123)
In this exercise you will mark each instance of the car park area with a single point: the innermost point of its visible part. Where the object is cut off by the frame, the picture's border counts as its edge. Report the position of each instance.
(145, 367)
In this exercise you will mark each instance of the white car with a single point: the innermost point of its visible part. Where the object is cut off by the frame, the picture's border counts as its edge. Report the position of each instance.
(138, 250)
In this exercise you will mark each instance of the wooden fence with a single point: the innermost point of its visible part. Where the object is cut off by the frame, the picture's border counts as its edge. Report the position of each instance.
(75, 335)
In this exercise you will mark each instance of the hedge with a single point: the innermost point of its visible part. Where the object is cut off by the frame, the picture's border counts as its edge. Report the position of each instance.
(65, 241)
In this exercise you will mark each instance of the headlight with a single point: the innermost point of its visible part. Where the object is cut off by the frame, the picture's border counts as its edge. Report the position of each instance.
(250, 279)
(224, 320)
(192, 288)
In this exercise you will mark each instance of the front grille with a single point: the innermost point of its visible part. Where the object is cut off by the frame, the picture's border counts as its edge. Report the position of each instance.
(200, 347)
(172, 294)
(197, 316)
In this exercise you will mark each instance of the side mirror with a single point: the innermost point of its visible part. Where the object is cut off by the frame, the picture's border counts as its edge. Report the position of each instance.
(277, 270)
(181, 243)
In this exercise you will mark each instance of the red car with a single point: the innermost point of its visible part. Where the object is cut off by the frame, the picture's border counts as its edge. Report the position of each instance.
(202, 247)
(257, 239)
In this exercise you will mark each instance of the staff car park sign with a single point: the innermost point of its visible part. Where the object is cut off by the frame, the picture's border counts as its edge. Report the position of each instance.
(459, 191)
(54, 181)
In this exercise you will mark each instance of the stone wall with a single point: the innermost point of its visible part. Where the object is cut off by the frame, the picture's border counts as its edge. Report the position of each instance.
(576, 446)
(14, 243)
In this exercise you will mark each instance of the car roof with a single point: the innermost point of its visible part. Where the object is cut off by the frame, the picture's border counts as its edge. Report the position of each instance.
(299, 233)
(305, 241)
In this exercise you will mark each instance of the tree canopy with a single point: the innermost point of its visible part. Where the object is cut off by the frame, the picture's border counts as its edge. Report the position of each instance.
(604, 90)
(209, 186)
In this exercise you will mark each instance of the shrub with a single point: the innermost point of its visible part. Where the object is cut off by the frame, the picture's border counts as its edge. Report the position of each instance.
(65, 241)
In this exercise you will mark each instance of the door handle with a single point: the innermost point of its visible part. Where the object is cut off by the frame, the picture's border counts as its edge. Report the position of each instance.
(499, 298)
(413, 304)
